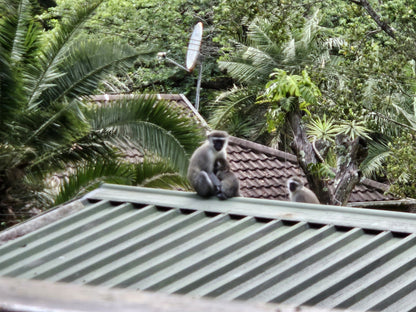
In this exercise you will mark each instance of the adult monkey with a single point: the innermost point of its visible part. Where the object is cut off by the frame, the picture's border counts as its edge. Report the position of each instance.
(208, 169)
(300, 193)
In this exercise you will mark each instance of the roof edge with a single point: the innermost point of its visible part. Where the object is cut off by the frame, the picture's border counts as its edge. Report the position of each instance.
(374, 184)
(40, 221)
(372, 219)
(34, 295)
(263, 149)
(406, 202)
(194, 110)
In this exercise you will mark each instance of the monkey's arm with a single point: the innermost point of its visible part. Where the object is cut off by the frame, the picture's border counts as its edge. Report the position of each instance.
(215, 181)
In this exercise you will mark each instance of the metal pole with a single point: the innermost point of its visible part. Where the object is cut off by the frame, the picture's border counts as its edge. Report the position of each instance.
(198, 87)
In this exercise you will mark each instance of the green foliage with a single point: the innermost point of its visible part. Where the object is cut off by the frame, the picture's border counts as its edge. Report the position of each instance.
(159, 173)
(403, 155)
(366, 78)
(285, 86)
(45, 127)
(90, 175)
(287, 93)
(235, 113)
(323, 129)
(261, 52)
(373, 165)
(163, 25)
(354, 129)
(323, 170)
(151, 172)
(149, 125)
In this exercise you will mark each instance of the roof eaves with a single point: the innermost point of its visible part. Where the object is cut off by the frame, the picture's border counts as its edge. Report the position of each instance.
(40, 220)
(374, 184)
(33, 295)
(193, 109)
(262, 208)
(407, 202)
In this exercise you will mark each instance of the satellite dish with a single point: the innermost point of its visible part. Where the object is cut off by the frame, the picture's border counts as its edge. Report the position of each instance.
(193, 47)
(192, 55)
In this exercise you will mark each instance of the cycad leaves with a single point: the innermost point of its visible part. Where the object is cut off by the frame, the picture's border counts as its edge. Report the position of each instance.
(84, 66)
(91, 176)
(150, 125)
(44, 74)
(44, 127)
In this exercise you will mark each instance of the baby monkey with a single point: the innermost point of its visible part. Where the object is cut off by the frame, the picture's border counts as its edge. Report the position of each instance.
(229, 184)
(209, 171)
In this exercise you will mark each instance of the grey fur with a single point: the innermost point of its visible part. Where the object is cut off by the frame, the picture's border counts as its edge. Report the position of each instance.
(204, 178)
(299, 193)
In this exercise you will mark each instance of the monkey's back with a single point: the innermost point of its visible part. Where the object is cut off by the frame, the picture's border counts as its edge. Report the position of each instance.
(201, 160)
(304, 195)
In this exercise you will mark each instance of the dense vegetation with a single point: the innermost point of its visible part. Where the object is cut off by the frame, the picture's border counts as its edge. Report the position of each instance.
(47, 129)
(356, 57)
(360, 54)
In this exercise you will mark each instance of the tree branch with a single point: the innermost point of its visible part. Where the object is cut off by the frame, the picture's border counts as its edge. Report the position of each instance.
(383, 25)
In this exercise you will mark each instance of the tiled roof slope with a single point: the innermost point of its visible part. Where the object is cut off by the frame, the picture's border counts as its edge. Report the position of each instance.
(263, 172)
(240, 249)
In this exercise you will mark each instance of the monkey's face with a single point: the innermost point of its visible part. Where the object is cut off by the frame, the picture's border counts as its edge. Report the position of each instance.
(218, 143)
(293, 186)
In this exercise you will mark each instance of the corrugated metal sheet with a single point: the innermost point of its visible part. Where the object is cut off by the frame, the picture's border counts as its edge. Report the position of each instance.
(246, 249)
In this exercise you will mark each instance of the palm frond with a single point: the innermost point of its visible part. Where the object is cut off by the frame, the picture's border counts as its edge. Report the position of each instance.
(258, 36)
(90, 176)
(23, 18)
(18, 35)
(43, 75)
(242, 71)
(85, 147)
(152, 125)
(289, 51)
(410, 118)
(310, 29)
(378, 152)
(159, 173)
(86, 64)
(229, 103)
(255, 60)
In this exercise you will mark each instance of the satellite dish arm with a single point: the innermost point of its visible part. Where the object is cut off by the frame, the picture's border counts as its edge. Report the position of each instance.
(162, 55)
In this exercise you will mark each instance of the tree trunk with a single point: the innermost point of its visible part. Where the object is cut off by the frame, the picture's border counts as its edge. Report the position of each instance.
(307, 159)
(350, 154)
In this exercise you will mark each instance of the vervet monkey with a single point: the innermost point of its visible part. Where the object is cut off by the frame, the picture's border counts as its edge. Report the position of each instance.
(230, 186)
(201, 173)
(299, 193)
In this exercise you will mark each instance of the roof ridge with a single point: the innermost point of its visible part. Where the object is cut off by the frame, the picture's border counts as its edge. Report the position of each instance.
(292, 158)
(263, 149)
(382, 186)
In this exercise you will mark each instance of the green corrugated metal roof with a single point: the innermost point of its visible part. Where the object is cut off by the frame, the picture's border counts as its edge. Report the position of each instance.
(248, 249)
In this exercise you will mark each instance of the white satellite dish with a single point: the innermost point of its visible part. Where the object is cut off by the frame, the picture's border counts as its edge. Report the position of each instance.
(194, 47)
(192, 57)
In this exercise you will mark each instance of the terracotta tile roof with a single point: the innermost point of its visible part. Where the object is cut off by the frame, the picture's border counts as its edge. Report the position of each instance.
(263, 172)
